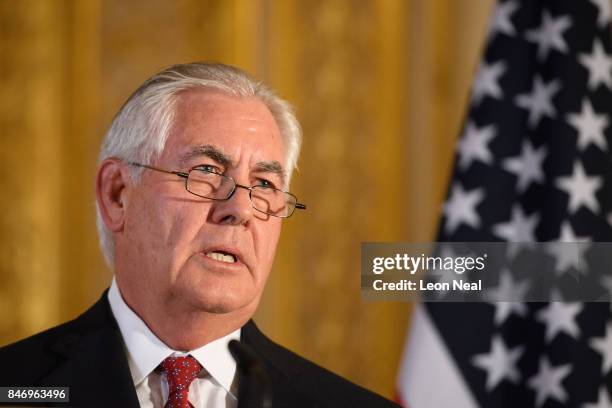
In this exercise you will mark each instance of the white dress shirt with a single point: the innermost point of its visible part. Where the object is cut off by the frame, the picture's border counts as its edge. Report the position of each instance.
(215, 386)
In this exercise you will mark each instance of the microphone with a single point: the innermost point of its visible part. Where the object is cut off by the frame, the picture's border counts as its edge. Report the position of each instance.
(250, 366)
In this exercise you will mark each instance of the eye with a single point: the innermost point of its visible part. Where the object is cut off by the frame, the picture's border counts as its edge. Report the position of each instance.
(208, 168)
(265, 183)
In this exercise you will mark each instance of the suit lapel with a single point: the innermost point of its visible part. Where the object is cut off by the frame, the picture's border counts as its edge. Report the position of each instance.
(95, 366)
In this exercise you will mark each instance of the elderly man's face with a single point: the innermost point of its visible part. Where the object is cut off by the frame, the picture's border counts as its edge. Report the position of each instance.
(171, 237)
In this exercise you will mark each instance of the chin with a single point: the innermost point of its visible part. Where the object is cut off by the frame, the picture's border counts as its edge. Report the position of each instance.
(225, 302)
(219, 308)
(221, 299)
(218, 292)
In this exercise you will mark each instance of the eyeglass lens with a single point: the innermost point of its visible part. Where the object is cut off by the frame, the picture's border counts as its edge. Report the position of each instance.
(265, 199)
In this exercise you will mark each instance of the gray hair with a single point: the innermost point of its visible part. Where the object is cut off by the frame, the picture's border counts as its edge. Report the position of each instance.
(140, 129)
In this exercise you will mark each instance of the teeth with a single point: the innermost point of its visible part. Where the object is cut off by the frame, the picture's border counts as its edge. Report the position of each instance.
(218, 256)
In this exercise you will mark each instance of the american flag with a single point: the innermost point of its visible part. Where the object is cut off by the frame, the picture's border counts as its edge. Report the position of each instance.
(533, 164)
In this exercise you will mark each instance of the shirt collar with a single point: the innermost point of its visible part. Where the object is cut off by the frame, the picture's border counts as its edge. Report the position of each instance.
(146, 351)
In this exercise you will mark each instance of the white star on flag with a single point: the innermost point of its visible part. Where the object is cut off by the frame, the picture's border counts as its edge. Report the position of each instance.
(603, 345)
(599, 64)
(486, 82)
(606, 283)
(603, 12)
(461, 208)
(473, 145)
(500, 19)
(560, 317)
(507, 297)
(499, 363)
(603, 401)
(568, 235)
(550, 34)
(528, 166)
(581, 189)
(555, 296)
(520, 228)
(547, 383)
(568, 256)
(590, 127)
(539, 101)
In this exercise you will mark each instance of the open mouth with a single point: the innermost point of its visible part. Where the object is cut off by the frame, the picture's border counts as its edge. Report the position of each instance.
(221, 256)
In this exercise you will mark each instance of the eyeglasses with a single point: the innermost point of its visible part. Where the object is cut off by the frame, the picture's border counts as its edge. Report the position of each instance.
(214, 186)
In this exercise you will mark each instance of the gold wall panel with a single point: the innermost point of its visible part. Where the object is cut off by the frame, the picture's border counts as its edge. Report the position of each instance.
(31, 77)
(379, 87)
(347, 81)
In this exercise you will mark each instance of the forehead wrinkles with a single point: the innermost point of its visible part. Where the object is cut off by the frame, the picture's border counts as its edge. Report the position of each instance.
(233, 125)
(218, 112)
(217, 106)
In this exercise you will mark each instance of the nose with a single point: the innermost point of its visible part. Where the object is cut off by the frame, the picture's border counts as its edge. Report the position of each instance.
(236, 210)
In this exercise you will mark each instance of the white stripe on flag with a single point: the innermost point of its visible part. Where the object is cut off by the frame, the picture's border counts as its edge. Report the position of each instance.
(428, 376)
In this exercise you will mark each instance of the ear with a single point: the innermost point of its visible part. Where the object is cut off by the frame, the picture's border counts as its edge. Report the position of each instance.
(112, 186)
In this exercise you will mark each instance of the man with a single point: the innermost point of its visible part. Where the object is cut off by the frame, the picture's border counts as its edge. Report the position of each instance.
(191, 194)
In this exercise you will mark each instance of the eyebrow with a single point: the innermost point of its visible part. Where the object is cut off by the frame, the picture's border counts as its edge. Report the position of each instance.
(271, 167)
(209, 151)
(212, 152)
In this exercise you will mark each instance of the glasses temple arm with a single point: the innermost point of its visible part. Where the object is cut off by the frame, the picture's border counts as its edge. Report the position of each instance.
(146, 166)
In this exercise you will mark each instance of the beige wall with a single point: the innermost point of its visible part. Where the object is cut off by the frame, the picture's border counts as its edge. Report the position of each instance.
(379, 86)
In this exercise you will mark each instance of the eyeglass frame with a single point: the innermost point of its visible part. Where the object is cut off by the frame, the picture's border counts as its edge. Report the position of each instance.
(185, 175)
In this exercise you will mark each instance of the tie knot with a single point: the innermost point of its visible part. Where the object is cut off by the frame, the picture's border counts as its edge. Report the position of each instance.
(180, 372)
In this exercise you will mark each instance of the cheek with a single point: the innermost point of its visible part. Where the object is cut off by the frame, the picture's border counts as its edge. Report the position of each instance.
(268, 240)
(181, 225)
(165, 228)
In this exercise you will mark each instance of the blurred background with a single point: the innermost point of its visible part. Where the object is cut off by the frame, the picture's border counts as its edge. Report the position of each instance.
(379, 86)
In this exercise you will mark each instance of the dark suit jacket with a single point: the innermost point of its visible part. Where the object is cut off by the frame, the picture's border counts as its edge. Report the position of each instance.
(87, 355)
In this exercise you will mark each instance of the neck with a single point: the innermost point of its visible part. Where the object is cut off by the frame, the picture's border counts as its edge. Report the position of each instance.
(196, 330)
(184, 329)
